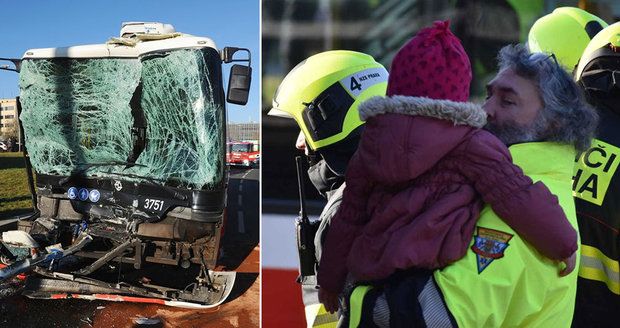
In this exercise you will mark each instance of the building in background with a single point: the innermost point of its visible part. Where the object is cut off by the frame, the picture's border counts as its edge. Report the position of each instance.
(9, 122)
(243, 131)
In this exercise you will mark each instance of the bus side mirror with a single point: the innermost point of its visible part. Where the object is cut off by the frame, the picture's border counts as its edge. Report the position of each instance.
(240, 76)
(17, 63)
(239, 84)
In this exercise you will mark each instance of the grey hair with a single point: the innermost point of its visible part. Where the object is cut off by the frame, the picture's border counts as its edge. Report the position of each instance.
(569, 118)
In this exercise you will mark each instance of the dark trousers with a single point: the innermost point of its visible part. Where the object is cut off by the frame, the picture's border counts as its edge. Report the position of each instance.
(402, 291)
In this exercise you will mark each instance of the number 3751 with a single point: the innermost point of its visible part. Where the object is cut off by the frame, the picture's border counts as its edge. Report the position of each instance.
(153, 204)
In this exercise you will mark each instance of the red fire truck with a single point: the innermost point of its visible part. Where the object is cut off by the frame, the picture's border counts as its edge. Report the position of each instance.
(245, 153)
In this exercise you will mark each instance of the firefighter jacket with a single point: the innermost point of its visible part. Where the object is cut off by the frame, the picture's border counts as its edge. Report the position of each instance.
(503, 281)
(596, 187)
(316, 315)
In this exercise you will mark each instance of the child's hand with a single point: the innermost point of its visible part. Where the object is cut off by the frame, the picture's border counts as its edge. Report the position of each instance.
(570, 264)
(329, 300)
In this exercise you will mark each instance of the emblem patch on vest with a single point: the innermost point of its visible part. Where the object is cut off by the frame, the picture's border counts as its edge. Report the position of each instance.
(489, 245)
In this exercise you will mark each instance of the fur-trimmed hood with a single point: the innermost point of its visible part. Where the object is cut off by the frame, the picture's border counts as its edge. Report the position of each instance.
(461, 113)
(409, 135)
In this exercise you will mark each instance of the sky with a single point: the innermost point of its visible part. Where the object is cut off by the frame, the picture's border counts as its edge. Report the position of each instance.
(32, 24)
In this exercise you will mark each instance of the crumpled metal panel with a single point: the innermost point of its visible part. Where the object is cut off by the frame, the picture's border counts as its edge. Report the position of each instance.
(77, 117)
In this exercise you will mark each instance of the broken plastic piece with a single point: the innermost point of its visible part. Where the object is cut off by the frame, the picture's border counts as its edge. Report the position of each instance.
(146, 321)
(20, 246)
(19, 238)
(28, 264)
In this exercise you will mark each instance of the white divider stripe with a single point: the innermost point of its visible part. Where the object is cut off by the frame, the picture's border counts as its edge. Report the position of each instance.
(279, 248)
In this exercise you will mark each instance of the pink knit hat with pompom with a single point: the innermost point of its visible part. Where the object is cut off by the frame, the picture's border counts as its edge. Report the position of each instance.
(432, 64)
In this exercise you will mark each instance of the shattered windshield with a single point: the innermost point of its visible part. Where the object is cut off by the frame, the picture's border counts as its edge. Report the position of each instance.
(160, 116)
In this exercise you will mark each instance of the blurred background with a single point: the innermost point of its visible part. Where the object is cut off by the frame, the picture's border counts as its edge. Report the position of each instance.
(293, 30)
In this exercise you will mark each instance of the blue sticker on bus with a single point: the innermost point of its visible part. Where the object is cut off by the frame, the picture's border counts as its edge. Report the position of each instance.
(72, 193)
(83, 194)
(94, 195)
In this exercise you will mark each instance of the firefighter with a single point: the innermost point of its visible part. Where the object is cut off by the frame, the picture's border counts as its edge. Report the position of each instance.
(322, 95)
(596, 186)
(534, 107)
(565, 32)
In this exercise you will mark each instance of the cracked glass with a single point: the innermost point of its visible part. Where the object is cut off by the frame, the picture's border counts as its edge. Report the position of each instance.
(157, 119)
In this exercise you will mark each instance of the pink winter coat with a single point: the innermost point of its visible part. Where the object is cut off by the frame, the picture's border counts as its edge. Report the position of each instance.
(415, 188)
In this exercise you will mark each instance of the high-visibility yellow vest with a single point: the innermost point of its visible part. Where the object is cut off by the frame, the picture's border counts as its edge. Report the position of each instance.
(503, 281)
(318, 317)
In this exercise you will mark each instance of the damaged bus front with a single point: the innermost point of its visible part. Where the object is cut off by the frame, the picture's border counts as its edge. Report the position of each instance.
(127, 140)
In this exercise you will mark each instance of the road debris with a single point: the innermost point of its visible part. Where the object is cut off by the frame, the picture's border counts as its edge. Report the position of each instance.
(146, 321)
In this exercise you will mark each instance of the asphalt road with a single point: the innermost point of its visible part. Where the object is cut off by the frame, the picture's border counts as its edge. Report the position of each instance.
(240, 252)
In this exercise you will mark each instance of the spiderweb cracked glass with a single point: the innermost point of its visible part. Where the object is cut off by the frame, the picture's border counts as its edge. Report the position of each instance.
(185, 139)
(77, 111)
(77, 116)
